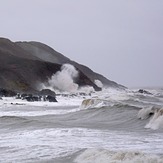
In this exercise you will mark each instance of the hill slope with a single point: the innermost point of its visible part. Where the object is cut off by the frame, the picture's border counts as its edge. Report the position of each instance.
(26, 64)
(46, 53)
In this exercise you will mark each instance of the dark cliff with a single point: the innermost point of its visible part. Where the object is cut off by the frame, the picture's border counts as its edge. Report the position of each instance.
(25, 64)
(46, 53)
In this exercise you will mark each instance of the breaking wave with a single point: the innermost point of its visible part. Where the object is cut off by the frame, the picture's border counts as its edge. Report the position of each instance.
(65, 81)
(106, 156)
(148, 109)
(98, 103)
(108, 127)
(156, 117)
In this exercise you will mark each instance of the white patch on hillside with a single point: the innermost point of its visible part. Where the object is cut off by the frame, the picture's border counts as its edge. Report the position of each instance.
(98, 83)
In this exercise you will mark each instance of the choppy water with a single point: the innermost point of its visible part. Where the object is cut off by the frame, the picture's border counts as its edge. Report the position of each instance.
(114, 127)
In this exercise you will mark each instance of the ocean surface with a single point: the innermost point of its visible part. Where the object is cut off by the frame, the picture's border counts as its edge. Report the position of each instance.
(110, 126)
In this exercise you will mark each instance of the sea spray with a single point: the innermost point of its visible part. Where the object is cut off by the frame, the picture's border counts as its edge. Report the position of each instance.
(64, 81)
(98, 83)
(86, 89)
(156, 120)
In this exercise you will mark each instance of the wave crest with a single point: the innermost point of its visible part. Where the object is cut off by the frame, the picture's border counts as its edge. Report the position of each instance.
(99, 103)
(156, 114)
(94, 103)
(105, 156)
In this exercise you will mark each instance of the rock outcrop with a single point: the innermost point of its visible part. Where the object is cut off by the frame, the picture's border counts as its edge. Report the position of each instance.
(45, 53)
(25, 64)
(7, 93)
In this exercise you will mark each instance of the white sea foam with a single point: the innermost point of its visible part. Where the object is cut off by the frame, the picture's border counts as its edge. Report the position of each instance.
(95, 103)
(106, 97)
(15, 107)
(112, 94)
(39, 112)
(145, 112)
(86, 89)
(156, 120)
(42, 143)
(49, 143)
(106, 156)
(155, 124)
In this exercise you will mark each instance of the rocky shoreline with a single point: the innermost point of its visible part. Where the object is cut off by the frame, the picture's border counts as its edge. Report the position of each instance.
(44, 95)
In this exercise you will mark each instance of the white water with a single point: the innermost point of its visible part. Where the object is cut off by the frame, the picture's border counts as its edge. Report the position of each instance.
(106, 156)
(156, 121)
(39, 138)
(52, 143)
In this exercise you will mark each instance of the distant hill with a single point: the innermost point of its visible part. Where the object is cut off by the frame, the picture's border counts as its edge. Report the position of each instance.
(46, 53)
(25, 64)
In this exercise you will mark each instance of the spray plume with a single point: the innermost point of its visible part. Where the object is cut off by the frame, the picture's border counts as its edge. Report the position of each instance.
(64, 79)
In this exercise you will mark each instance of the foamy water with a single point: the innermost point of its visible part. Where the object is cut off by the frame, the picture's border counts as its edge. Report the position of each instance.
(47, 143)
(112, 126)
(105, 156)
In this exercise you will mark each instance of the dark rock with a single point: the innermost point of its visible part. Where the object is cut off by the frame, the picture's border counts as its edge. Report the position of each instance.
(144, 91)
(73, 95)
(46, 92)
(18, 96)
(32, 98)
(24, 95)
(51, 99)
(7, 93)
(65, 95)
(82, 94)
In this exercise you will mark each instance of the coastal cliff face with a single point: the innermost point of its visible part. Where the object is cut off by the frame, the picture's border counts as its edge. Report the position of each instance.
(26, 64)
(46, 53)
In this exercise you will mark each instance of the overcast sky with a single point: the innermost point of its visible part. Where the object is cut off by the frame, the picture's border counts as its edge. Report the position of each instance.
(121, 39)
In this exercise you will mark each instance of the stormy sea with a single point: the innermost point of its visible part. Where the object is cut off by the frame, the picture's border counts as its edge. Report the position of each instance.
(109, 126)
